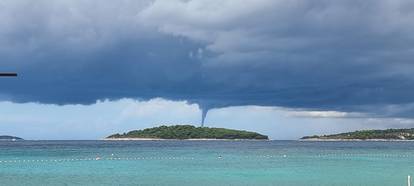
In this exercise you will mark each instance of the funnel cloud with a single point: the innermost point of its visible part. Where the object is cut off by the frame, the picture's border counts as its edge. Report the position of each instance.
(345, 56)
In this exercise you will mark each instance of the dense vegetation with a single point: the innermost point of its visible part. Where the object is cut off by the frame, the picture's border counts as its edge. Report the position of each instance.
(189, 132)
(388, 134)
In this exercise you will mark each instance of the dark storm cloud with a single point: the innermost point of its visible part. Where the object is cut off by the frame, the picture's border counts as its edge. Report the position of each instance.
(354, 56)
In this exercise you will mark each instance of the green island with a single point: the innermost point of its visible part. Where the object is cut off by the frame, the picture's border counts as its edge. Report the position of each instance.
(388, 134)
(183, 132)
(9, 138)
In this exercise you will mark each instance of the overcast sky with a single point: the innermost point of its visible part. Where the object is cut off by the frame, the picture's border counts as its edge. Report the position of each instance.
(285, 68)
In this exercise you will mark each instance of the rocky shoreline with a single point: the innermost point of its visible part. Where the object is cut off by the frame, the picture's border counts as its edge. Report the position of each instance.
(192, 139)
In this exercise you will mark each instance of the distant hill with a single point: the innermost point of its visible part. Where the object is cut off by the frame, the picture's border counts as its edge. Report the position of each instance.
(189, 132)
(9, 138)
(388, 134)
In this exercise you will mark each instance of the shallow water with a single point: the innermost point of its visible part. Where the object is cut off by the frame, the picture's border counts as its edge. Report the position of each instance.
(205, 163)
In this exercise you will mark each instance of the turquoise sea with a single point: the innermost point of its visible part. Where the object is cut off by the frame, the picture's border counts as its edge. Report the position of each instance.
(205, 163)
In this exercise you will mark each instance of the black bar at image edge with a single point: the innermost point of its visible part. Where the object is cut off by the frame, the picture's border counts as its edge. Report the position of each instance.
(8, 74)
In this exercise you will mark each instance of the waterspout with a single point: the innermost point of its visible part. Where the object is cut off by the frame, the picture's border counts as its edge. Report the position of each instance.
(203, 116)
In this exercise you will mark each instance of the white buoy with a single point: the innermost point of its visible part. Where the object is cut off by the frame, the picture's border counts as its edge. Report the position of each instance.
(409, 180)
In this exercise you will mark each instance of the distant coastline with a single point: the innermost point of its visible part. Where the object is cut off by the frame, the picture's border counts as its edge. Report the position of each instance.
(351, 140)
(366, 135)
(10, 138)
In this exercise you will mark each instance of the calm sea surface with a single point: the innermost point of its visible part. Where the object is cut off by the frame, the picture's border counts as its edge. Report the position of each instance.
(205, 163)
